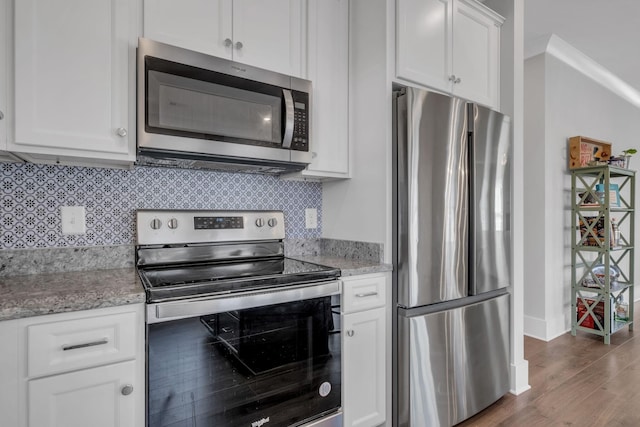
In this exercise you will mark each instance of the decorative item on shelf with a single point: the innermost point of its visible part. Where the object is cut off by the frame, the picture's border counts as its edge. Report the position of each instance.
(614, 194)
(617, 234)
(595, 235)
(618, 161)
(588, 199)
(627, 156)
(585, 152)
(622, 309)
(597, 277)
(588, 320)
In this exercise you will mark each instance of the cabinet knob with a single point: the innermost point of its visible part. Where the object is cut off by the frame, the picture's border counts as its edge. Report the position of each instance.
(121, 132)
(126, 390)
(228, 42)
(1, 115)
(457, 80)
(351, 332)
(239, 45)
(452, 78)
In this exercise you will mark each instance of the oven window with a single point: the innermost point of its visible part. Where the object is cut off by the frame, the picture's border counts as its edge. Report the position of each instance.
(280, 362)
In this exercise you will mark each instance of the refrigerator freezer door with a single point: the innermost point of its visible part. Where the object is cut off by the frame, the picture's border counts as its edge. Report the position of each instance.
(452, 363)
(433, 198)
(490, 147)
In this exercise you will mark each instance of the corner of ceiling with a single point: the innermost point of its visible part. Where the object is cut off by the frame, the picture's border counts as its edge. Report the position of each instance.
(563, 51)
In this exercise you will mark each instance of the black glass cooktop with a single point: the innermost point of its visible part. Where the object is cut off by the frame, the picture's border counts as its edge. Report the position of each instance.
(196, 280)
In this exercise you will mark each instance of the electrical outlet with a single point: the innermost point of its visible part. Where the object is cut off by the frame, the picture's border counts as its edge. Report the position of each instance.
(311, 218)
(73, 220)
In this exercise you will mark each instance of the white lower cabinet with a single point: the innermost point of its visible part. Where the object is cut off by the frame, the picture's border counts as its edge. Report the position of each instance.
(364, 349)
(78, 369)
(98, 397)
(9, 377)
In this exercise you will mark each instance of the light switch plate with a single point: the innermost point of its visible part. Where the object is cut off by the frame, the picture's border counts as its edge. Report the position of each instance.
(311, 218)
(73, 220)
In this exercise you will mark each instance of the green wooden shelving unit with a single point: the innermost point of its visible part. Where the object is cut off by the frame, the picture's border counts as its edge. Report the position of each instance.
(598, 298)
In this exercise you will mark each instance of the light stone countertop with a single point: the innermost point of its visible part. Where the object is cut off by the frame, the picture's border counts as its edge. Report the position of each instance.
(48, 293)
(347, 266)
(36, 282)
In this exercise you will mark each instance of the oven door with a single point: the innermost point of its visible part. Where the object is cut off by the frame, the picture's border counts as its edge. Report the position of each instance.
(194, 103)
(250, 360)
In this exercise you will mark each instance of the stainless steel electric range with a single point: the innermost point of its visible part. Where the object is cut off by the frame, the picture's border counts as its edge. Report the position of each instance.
(237, 333)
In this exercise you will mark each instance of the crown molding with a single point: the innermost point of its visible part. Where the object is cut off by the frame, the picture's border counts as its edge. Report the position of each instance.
(563, 51)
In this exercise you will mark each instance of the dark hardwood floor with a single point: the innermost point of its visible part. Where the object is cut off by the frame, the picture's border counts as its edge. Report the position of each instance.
(575, 381)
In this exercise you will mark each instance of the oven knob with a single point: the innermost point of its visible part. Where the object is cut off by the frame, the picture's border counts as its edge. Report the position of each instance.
(272, 222)
(156, 223)
(259, 222)
(172, 223)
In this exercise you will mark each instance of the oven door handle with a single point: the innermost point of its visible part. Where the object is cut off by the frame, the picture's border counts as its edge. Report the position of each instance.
(162, 312)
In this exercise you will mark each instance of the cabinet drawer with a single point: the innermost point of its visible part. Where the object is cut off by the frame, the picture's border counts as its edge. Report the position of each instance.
(363, 293)
(80, 343)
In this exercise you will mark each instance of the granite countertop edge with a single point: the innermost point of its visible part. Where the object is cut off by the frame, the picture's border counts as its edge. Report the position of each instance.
(51, 293)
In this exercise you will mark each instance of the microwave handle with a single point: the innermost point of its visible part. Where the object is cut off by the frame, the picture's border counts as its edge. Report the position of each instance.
(289, 116)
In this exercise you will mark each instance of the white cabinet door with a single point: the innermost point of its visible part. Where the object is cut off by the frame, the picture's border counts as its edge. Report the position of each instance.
(328, 69)
(265, 34)
(476, 46)
(5, 37)
(450, 45)
(9, 373)
(93, 397)
(201, 25)
(72, 91)
(268, 34)
(364, 385)
(424, 42)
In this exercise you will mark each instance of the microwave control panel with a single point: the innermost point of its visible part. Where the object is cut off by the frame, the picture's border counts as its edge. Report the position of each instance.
(301, 118)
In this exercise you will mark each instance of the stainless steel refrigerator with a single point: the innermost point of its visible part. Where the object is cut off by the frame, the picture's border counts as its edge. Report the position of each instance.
(452, 203)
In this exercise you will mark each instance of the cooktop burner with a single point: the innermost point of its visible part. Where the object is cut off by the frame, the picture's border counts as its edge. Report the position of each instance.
(196, 280)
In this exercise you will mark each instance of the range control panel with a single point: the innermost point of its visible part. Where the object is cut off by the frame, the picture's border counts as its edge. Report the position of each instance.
(196, 226)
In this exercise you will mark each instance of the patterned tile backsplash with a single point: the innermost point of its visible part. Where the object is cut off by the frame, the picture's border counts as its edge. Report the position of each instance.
(32, 196)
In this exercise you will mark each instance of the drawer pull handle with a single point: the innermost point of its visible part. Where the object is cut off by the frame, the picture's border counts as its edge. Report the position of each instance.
(88, 344)
(366, 294)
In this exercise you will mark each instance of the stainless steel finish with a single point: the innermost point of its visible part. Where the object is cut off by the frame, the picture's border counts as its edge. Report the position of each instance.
(452, 363)
(289, 117)
(333, 420)
(122, 132)
(85, 345)
(228, 42)
(155, 224)
(366, 294)
(193, 253)
(432, 198)
(126, 390)
(188, 234)
(172, 223)
(350, 332)
(183, 152)
(167, 311)
(272, 222)
(239, 45)
(259, 222)
(490, 231)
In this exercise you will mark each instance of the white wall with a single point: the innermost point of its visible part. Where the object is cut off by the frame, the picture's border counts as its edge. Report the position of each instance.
(574, 104)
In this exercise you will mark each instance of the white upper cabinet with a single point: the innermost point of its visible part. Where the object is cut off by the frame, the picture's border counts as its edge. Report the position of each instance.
(265, 34)
(5, 21)
(476, 52)
(450, 45)
(74, 87)
(328, 70)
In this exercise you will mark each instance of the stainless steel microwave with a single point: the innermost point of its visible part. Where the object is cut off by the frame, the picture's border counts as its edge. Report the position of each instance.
(204, 112)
